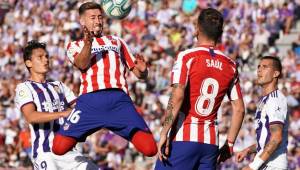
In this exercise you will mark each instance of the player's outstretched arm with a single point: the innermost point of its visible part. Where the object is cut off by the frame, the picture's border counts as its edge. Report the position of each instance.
(140, 69)
(33, 116)
(82, 60)
(276, 131)
(174, 104)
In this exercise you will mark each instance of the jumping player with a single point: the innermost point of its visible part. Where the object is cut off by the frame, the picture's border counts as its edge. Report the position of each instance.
(104, 101)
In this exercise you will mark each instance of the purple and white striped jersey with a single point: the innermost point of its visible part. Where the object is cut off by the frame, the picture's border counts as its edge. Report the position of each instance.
(272, 109)
(47, 97)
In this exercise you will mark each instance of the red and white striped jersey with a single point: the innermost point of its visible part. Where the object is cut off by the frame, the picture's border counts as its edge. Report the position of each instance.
(208, 75)
(110, 56)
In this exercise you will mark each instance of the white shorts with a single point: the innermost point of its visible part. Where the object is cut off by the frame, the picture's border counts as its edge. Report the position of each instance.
(72, 160)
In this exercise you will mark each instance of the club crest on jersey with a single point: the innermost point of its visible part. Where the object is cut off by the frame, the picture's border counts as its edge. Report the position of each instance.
(66, 126)
(56, 88)
(260, 106)
(113, 40)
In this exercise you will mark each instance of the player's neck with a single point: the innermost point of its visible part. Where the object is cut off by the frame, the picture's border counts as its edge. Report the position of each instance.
(39, 78)
(202, 41)
(268, 88)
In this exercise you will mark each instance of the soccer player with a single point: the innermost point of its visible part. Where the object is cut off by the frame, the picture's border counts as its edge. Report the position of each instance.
(200, 78)
(44, 104)
(104, 101)
(271, 121)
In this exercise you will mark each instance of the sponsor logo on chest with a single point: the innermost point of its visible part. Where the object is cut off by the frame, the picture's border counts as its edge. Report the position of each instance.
(102, 48)
(56, 104)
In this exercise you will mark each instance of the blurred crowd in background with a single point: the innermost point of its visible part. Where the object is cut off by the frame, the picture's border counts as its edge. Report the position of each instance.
(157, 29)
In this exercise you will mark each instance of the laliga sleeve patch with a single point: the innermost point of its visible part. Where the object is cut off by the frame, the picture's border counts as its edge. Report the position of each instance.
(175, 67)
(23, 94)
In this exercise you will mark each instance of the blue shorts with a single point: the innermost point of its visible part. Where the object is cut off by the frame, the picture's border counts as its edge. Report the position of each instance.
(190, 156)
(111, 109)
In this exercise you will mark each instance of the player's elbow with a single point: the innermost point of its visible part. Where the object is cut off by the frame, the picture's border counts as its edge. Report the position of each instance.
(81, 65)
(31, 119)
(178, 98)
(238, 107)
(178, 95)
(240, 111)
(277, 139)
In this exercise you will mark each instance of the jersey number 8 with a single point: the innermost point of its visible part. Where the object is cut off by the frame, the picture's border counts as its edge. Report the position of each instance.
(205, 95)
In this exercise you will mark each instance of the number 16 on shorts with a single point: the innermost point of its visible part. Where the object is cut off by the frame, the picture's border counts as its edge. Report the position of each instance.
(74, 116)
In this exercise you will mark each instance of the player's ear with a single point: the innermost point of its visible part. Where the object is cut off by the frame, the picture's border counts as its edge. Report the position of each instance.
(196, 33)
(81, 20)
(28, 63)
(276, 74)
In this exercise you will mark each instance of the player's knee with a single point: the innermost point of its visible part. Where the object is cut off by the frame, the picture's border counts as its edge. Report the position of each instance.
(58, 150)
(62, 144)
(144, 143)
(150, 149)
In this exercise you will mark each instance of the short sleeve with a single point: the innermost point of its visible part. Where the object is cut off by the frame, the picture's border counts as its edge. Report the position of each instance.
(277, 110)
(235, 91)
(68, 93)
(127, 54)
(23, 95)
(73, 49)
(180, 70)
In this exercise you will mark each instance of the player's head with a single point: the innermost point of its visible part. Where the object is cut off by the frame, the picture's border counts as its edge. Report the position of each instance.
(90, 14)
(36, 57)
(268, 70)
(210, 24)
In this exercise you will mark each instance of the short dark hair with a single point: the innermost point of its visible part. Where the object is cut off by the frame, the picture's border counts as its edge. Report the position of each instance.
(276, 63)
(31, 45)
(210, 21)
(88, 5)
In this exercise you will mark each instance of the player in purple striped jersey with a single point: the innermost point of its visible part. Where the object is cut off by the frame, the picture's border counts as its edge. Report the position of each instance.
(271, 121)
(44, 104)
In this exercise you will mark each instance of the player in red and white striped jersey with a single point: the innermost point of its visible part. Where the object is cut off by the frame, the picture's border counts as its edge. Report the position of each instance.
(104, 101)
(106, 68)
(201, 77)
(206, 92)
